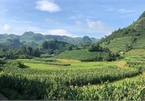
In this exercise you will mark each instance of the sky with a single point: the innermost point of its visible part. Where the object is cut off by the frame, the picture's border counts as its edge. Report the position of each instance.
(74, 18)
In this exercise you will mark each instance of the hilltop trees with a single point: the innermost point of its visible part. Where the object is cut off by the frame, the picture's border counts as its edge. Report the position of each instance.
(56, 46)
(97, 48)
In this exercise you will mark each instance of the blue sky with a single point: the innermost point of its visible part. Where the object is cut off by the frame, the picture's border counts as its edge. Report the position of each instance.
(75, 18)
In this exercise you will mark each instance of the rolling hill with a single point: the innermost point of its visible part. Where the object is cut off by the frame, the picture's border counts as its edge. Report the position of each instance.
(130, 37)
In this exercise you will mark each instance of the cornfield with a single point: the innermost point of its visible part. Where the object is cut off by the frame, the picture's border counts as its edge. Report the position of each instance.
(72, 84)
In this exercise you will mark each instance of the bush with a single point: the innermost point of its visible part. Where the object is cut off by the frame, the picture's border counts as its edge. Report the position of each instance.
(20, 64)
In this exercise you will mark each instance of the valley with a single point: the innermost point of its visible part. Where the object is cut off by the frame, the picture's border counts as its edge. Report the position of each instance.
(112, 68)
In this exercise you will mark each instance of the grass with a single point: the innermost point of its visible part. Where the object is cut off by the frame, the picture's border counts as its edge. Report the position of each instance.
(118, 44)
(75, 64)
(84, 55)
(135, 52)
(80, 65)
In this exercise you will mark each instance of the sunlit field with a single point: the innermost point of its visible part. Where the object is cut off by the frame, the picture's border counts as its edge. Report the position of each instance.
(74, 64)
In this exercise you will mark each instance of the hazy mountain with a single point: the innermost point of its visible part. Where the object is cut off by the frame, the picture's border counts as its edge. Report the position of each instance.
(33, 39)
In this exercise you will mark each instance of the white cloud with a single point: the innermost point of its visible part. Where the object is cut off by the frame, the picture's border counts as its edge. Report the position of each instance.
(6, 27)
(115, 9)
(91, 25)
(98, 25)
(125, 11)
(61, 32)
(47, 5)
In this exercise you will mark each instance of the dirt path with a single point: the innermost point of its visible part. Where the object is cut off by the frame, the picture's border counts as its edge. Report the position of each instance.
(2, 97)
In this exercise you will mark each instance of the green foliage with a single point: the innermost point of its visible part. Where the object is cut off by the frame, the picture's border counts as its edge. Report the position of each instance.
(137, 62)
(65, 84)
(49, 62)
(97, 48)
(56, 47)
(69, 47)
(3, 61)
(83, 55)
(133, 36)
(143, 15)
(23, 52)
(20, 64)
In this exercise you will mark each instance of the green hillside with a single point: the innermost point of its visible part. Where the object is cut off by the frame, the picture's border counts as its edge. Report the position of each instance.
(118, 44)
(128, 38)
(84, 55)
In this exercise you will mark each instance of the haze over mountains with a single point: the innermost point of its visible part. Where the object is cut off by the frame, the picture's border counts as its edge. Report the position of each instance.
(34, 39)
(125, 39)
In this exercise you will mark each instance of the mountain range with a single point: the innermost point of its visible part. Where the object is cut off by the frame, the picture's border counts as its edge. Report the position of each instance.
(34, 39)
(125, 39)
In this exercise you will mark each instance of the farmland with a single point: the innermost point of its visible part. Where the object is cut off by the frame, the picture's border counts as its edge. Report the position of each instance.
(53, 50)
(67, 79)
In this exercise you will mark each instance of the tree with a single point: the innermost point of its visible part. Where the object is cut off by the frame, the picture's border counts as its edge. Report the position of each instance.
(128, 47)
(36, 52)
(45, 45)
(95, 48)
(69, 47)
(29, 50)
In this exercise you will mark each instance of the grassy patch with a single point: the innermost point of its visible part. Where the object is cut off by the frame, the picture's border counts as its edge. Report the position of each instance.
(83, 55)
(65, 64)
(118, 44)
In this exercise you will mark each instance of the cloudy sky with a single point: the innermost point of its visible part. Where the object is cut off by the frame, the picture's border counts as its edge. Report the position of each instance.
(94, 18)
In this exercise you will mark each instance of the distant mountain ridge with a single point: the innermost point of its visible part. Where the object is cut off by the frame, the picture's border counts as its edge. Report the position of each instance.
(130, 37)
(34, 39)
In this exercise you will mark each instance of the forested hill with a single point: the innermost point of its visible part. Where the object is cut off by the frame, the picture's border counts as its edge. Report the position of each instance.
(33, 39)
(130, 37)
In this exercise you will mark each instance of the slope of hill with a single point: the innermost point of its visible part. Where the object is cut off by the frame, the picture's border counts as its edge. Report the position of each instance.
(131, 37)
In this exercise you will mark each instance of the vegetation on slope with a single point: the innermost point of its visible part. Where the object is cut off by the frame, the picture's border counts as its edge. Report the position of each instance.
(92, 53)
(130, 37)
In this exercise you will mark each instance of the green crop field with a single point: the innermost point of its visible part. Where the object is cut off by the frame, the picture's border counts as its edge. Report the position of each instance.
(44, 79)
(74, 64)
(118, 44)
(34, 66)
(84, 55)
(68, 79)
